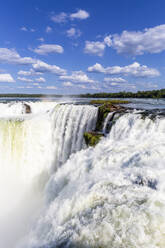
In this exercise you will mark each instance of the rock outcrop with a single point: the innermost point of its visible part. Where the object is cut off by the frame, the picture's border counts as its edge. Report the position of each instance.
(27, 108)
(105, 107)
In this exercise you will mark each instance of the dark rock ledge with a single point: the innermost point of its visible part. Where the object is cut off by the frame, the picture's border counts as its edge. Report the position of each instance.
(92, 138)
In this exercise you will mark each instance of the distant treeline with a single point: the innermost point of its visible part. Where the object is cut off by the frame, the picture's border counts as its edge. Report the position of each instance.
(124, 94)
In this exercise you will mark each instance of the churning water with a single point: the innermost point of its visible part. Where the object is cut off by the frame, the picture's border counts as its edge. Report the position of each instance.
(57, 193)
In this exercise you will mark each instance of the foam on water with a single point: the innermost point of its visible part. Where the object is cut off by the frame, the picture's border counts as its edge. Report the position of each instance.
(112, 195)
(32, 147)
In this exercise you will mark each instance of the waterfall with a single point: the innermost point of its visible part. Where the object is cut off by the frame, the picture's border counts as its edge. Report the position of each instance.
(106, 121)
(108, 196)
(32, 147)
(69, 124)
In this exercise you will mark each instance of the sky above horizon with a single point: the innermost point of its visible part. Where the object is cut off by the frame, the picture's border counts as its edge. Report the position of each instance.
(72, 47)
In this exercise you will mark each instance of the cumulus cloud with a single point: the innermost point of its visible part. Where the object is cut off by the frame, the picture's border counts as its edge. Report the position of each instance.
(73, 33)
(23, 79)
(48, 29)
(31, 72)
(10, 56)
(68, 84)
(98, 47)
(64, 17)
(80, 14)
(94, 48)
(108, 41)
(60, 18)
(24, 29)
(6, 78)
(151, 40)
(134, 69)
(40, 80)
(119, 86)
(48, 48)
(51, 87)
(77, 77)
(46, 68)
(114, 80)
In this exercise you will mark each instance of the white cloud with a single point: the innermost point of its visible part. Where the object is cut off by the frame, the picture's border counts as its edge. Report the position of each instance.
(94, 47)
(48, 48)
(80, 14)
(97, 68)
(24, 29)
(115, 80)
(98, 47)
(73, 33)
(11, 56)
(68, 84)
(6, 78)
(23, 79)
(48, 29)
(46, 68)
(151, 40)
(108, 40)
(134, 69)
(114, 84)
(119, 86)
(51, 88)
(64, 17)
(77, 77)
(31, 72)
(40, 80)
(60, 18)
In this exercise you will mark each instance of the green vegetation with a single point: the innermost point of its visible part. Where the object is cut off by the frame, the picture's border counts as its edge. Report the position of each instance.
(109, 102)
(103, 111)
(92, 138)
(124, 94)
(105, 108)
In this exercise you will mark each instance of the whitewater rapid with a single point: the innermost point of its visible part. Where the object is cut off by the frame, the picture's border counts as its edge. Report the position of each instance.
(111, 195)
(32, 147)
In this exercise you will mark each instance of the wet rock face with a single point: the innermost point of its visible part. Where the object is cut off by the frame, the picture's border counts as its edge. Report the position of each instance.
(104, 110)
(27, 108)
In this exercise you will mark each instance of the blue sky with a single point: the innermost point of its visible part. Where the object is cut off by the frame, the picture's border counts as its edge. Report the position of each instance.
(71, 47)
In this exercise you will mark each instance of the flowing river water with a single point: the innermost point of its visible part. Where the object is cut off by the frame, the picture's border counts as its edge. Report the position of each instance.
(55, 192)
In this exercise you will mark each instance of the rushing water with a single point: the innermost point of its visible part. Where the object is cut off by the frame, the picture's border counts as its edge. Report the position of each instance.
(57, 193)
